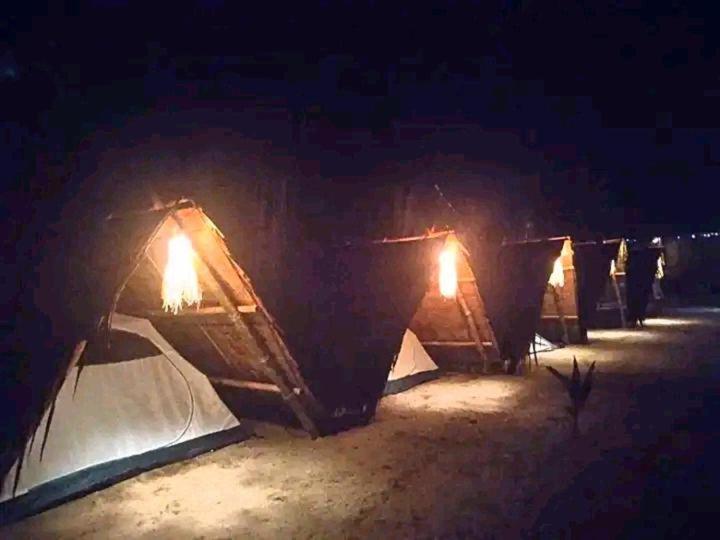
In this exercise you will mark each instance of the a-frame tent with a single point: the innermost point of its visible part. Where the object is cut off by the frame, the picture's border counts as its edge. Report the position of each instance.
(612, 305)
(456, 331)
(502, 286)
(347, 311)
(513, 279)
(629, 286)
(570, 303)
(560, 318)
(449, 333)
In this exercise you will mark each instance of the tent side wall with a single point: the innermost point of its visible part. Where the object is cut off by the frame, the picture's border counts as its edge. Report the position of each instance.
(359, 300)
(592, 264)
(512, 280)
(642, 265)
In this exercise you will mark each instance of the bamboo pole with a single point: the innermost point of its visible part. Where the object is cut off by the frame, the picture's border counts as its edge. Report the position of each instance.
(618, 297)
(472, 328)
(247, 385)
(260, 353)
(561, 314)
(285, 360)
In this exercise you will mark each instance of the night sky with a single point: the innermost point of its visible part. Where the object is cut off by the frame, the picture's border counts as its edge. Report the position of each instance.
(617, 98)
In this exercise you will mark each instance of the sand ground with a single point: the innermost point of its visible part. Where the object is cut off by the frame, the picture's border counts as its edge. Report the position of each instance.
(463, 456)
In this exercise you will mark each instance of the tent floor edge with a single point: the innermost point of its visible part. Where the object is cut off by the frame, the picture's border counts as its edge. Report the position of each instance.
(86, 481)
(405, 383)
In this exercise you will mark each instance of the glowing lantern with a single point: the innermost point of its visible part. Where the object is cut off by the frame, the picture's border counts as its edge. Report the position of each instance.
(613, 268)
(180, 281)
(448, 272)
(660, 272)
(557, 278)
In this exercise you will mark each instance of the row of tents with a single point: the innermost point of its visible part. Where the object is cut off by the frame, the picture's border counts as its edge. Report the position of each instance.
(143, 381)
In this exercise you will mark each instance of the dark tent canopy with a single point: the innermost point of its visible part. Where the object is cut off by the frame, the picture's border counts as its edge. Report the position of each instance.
(641, 269)
(512, 280)
(592, 265)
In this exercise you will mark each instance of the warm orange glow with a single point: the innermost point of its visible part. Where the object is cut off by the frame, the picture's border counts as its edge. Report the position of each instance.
(448, 271)
(660, 272)
(180, 282)
(557, 278)
(613, 268)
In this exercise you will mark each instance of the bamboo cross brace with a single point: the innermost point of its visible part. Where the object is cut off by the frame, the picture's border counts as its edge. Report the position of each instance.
(261, 365)
(289, 363)
(618, 297)
(472, 328)
(561, 313)
(486, 326)
(286, 362)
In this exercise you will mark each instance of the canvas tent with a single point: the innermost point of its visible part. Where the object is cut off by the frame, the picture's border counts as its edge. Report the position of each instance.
(412, 366)
(540, 344)
(138, 404)
(322, 365)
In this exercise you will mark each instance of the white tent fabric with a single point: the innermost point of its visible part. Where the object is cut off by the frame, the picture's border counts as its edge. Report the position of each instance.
(412, 360)
(121, 410)
(542, 345)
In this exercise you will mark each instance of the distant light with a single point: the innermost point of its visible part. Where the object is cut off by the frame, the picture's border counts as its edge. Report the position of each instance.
(693, 237)
(660, 271)
(657, 240)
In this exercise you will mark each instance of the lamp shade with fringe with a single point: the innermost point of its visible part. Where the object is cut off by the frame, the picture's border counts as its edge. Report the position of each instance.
(180, 281)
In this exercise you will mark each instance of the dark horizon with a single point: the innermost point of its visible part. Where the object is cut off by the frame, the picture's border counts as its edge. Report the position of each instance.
(610, 107)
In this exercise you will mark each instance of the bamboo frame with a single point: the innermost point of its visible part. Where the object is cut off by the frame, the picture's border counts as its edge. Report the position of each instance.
(288, 363)
(618, 297)
(455, 343)
(248, 385)
(561, 313)
(290, 395)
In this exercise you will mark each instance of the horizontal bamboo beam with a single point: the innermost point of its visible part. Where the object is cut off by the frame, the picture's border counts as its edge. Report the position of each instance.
(246, 385)
(455, 343)
(536, 240)
(436, 234)
(571, 317)
(214, 310)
